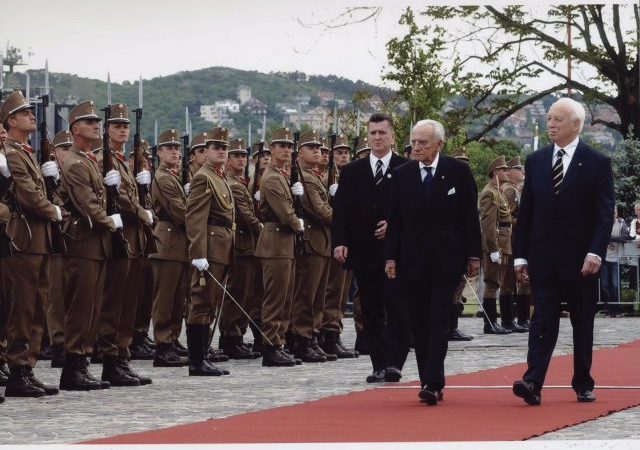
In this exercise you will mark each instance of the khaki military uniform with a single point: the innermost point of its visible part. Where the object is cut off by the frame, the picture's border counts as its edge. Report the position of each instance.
(88, 232)
(210, 224)
(495, 222)
(55, 306)
(5, 214)
(312, 268)
(118, 312)
(170, 265)
(240, 281)
(26, 272)
(275, 249)
(512, 195)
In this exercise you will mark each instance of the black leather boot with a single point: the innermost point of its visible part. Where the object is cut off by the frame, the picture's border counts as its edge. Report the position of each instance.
(73, 378)
(233, 347)
(4, 374)
(45, 349)
(84, 368)
(491, 325)
(18, 384)
(304, 350)
(523, 311)
(47, 388)
(126, 368)
(139, 349)
(166, 356)
(197, 340)
(57, 351)
(333, 344)
(113, 373)
(273, 356)
(180, 349)
(258, 344)
(315, 345)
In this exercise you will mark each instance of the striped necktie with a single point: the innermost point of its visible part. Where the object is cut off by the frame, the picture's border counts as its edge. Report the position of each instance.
(558, 171)
(378, 176)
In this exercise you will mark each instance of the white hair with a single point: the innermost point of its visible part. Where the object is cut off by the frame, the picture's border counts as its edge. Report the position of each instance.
(577, 110)
(438, 128)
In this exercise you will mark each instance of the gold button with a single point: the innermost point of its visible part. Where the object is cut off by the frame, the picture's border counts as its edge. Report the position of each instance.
(168, 229)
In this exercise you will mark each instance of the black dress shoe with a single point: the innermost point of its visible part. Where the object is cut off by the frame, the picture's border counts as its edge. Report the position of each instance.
(586, 396)
(392, 374)
(527, 391)
(495, 328)
(47, 388)
(457, 335)
(205, 369)
(430, 396)
(514, 327)
(377, 376)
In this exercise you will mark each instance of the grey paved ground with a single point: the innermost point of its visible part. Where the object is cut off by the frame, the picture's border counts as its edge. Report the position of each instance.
(174, 398)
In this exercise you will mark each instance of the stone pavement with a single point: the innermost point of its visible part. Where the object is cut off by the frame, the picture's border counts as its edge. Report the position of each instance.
(175, 398)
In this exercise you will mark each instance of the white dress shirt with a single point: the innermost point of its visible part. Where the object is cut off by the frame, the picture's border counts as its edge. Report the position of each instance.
(373, 160)
(433, 165)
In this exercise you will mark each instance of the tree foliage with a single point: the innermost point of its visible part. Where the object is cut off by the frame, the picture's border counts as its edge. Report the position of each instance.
(625, 163)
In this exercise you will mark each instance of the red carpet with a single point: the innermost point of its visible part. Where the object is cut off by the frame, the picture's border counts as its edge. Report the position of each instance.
(395, 415)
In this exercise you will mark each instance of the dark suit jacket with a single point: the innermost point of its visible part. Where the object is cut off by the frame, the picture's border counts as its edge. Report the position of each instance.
(555, 233)
(446, 231)
(358, 206)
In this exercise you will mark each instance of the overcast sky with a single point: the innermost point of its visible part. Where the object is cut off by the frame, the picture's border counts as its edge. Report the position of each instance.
(129, 38)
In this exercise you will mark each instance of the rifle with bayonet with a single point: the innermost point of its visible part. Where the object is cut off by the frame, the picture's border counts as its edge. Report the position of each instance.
(300, 245)
(331, 168)
(257, 176)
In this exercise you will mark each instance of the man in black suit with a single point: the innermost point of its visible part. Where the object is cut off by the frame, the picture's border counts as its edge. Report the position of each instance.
(433, 238)
(361, 206)
(564, 224)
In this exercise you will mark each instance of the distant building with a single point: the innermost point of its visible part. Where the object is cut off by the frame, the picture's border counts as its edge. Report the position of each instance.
(255, 106)
(244, 94)
(219, 112)
(326, 97)
(318, 118)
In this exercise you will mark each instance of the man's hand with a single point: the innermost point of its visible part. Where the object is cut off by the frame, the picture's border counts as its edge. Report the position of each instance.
(144, 177)
(187, 188)
(333, 189)
(340, 253)
(149, 216)
(522, 273)
(297, 189)
(112, 178)
(117, 220)
(473, 267)
(256, 196)
(390, 269)
(591, 266)
(380, 230)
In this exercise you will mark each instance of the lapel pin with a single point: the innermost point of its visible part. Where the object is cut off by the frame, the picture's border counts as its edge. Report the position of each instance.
(388, 175)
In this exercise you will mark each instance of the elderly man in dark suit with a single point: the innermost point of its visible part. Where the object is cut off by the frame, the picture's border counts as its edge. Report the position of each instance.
(564, 223)
(360, 210)
(433, 239)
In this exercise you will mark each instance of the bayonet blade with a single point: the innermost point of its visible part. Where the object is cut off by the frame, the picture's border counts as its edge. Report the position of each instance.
(155, 133)
(46, 77)
(108, 89)
(140, 93)
(27, 87)
(186, 121)
(1, 73)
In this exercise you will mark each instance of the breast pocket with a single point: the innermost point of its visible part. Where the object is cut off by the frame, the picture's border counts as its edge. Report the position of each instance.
(168, 235)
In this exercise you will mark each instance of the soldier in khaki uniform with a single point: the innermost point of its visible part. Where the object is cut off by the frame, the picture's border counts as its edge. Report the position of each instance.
(311, 268)
(4, 252)
(117, 314)
(363, 149)
(210, 226)
(88, 238)
(62, 142)
(170, 264)
(196, 153)
(495, 221)
(275, 247)
(511, 288)
(26, 272)
(339, 281)
(240, 280)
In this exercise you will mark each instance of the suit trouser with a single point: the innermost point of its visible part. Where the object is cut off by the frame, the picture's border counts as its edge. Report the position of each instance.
(240, 282)
(145, 298)
(56, 302)
(334, 299)
(118, 313)
(26, 282)
(357, 306)
(385, 319)
(308, 294)
(206, 300)
(170, 284)
(84, 280)
(278, 275)
(581, 297)
(430, 299)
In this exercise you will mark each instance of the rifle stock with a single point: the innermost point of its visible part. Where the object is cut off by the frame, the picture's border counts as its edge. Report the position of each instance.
(257, 176)
(300, 246)
(185, 159)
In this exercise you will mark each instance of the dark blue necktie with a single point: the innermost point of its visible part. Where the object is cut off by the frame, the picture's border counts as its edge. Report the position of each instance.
(428, 182)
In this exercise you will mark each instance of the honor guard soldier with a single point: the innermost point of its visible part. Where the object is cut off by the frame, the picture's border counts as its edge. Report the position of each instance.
(170, 264)
(196, 153)
(62, 142)
(339, 281)
(311, 268)
(495, 220)
(275, 247)
(511, 288)
(88, 238)
(25, 273)
(323, 163)
(5, 215)
(210, 227)
(363, 149)
(240, 280)
(124, 272)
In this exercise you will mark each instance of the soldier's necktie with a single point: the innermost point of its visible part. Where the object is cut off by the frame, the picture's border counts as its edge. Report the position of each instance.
(558, 171)
(427, 182)
(378, 176)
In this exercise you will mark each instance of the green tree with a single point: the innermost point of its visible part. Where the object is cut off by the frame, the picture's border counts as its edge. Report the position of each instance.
(625, 163)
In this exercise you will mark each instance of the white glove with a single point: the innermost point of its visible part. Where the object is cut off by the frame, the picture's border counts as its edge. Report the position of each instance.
(495, 257)
(113, 178)
(4, 167)
(50, 169)
(150, 214)
(58, 212)
(200, 263)
(143, 177)
(117, 220)
(332, 189)
(256, 196)
(297, 188)
(301, 224)
(187, 188)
